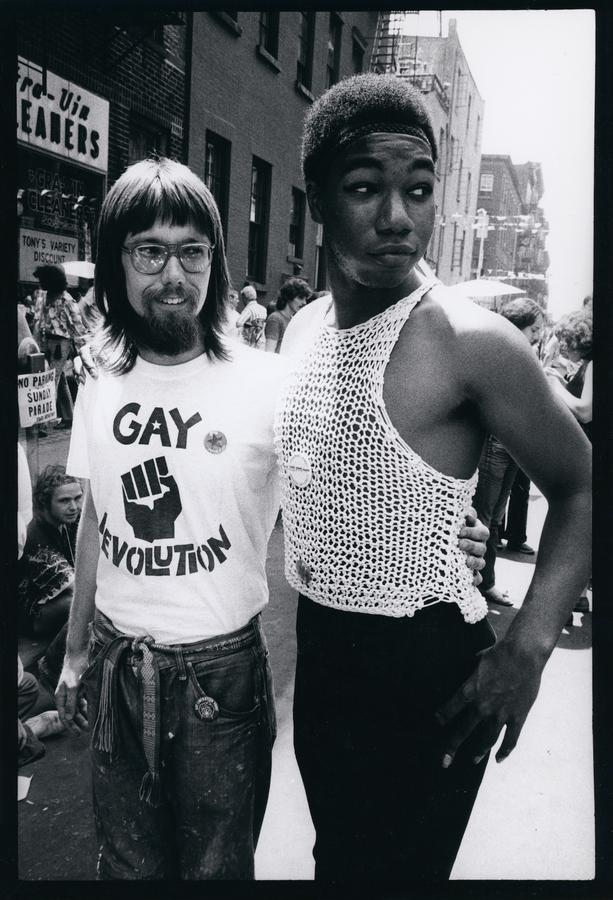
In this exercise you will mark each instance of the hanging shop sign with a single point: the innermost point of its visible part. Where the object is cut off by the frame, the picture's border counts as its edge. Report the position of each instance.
(38, 248)
(60, 117)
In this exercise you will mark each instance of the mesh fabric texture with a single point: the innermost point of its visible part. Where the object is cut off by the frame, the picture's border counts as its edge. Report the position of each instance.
(369, 525)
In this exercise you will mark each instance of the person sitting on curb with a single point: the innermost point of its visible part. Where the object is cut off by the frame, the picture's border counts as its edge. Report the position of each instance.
(46, 569)
(29, 730)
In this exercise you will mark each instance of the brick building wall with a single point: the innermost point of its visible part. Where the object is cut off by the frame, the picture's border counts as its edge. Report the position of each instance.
(138, 67)
(249, 99)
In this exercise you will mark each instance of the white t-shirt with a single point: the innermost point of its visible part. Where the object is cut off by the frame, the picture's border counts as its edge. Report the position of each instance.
(183, 477)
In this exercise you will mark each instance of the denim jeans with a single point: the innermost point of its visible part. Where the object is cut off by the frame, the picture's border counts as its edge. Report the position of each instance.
(497, 472)
(368, 745)
(214, 725)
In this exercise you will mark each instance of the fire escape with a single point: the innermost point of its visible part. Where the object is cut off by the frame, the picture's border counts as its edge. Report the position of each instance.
(384, 59)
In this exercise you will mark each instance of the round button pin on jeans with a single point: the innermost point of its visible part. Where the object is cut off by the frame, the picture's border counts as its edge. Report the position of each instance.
(206, 709)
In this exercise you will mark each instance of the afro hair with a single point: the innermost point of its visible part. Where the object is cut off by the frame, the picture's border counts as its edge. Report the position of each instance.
(348, 108)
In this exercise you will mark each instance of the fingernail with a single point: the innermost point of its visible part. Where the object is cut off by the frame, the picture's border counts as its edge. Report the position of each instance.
(447, 760)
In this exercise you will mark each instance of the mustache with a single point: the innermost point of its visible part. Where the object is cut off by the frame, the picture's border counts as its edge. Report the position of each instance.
(156, 293)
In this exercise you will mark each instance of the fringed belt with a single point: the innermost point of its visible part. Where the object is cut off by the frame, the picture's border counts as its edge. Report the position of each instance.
(116, 645)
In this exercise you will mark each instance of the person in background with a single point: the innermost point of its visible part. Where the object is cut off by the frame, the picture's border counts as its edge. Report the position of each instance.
(292, 296)
(30, 730)
(60, 331)
(252, 318)
(46, 569)
(574, 332)
(497, 468)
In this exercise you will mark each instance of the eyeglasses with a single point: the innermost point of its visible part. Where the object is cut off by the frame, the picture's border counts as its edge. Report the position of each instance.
(149, 259)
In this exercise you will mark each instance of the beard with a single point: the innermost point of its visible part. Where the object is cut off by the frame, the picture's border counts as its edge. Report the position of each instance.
(168, 330)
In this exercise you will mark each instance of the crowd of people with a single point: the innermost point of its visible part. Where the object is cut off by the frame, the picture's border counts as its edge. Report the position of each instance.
(365, 421)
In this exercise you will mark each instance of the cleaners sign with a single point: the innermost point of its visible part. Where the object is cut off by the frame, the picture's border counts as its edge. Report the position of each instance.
(55, 115)
(36, 397)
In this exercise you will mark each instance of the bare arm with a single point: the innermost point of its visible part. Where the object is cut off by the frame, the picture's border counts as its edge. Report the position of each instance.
(81, 614)
(581, 407)
(516, 404)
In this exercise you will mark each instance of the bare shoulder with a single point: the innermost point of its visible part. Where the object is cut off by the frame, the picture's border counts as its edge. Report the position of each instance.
(476, 333)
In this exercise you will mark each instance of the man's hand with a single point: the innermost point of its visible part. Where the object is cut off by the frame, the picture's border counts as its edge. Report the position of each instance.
(70, 702)
(472, 540)
(498, 694)
(84, 364)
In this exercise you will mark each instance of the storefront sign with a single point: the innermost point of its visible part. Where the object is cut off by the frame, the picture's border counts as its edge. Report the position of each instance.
(36, 398)
(37, 248)
(60, 117)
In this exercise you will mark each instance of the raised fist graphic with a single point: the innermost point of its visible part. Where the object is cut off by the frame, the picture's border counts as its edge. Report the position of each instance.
(151, 500)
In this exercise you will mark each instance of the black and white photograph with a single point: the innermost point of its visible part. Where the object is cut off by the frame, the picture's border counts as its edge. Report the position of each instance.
(305, 309)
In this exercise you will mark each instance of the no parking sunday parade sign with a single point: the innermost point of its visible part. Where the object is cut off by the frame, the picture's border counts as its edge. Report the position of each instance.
(36, 397)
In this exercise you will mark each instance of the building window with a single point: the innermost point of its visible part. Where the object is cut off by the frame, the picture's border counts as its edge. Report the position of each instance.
(146, 138)
(470, 101)
(459, 186)
(357, 57)
(478, 132)
(296, 224)
(486, 183)
(452, 155)
(334, 50)
(304, 66)
(269, 32)
(217, 173)
(259, 213)
(458, 249)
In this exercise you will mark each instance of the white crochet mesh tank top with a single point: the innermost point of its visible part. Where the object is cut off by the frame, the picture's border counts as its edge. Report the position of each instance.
(369, 526)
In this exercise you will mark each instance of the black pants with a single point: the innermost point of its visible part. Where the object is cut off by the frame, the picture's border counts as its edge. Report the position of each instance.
(515, 530)
(367, 744)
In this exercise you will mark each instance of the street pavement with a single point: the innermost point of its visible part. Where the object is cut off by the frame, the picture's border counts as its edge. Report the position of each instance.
(534, 816)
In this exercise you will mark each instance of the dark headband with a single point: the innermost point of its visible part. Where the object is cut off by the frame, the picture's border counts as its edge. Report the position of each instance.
(349, 135)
